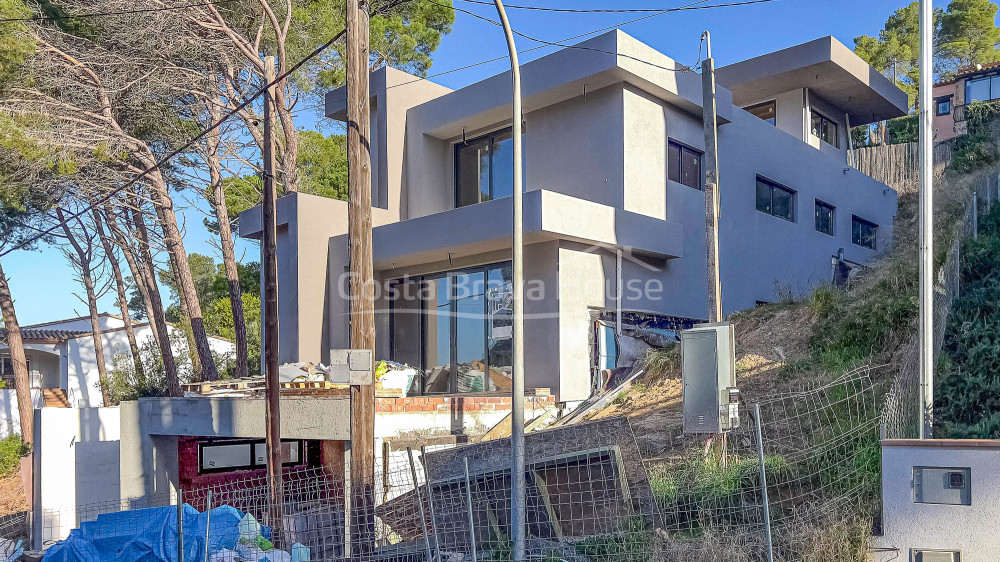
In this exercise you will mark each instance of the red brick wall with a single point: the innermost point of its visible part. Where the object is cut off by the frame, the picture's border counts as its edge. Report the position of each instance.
(456, 403)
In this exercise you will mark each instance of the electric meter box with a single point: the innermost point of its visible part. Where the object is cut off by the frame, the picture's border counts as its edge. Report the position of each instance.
(948, 486)
(708, 374)
(351, 366)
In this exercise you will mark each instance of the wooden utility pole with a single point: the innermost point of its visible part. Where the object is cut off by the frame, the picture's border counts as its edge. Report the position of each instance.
(362, 317)
(272, 410)
(711, 159)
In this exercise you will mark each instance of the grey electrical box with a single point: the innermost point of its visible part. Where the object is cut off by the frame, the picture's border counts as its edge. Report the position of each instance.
(708, 373)
(950, 486)
(937, 556)
(351, 366)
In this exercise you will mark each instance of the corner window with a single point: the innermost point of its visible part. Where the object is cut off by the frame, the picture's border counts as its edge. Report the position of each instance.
(484, 168)
(825, 129)
(944, 106)
(775, 200)
(764, 111)
(683, 164)
(824, 217)
(864, 233)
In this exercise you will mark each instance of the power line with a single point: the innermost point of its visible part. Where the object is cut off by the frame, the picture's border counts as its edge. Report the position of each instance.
(610, 10)
(121, 13)
(690, 6)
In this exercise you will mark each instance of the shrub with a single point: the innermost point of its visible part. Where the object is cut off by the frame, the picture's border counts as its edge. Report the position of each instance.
(12, 448)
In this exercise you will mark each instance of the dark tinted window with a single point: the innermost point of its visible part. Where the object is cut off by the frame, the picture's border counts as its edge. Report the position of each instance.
(684, 165)
(484, 168)
(775, 200)
(825, 129)
(864, 233)
(944, 107)
(824, 218)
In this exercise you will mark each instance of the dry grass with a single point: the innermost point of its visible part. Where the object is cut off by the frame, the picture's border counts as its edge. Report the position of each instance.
(12, 498)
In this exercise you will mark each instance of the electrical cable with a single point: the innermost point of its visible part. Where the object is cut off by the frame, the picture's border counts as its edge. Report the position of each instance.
(609, 10)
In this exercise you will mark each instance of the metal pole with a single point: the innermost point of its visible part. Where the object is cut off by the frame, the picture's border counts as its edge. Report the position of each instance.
(420, 502)
(926, 221)
(711, 126)
(430, 504)
(208, 521)
(517, 504)
(763, 485)
(180, 526)
(468, 502)
(272, 410)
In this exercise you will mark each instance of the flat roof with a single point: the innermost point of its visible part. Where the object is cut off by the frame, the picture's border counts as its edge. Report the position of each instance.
(826, 67)
(944, 443)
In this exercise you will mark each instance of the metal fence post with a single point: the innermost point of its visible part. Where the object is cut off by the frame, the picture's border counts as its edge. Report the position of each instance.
(763, 485)
(430, 504)
(420, 502)
(468, 501)
(180, 525)
(208, 521)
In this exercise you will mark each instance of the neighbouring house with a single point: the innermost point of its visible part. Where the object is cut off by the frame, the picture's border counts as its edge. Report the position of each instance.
(980, 83)
(938, 500)
(62, 363)
(614, 213)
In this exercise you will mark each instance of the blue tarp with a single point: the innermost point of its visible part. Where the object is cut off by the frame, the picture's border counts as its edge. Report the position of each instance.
(149, 535)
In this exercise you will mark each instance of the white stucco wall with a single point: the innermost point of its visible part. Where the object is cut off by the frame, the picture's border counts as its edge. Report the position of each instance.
(969, 528)
(76, 468)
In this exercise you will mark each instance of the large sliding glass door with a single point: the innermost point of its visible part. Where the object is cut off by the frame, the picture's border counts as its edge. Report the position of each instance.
(455, 328)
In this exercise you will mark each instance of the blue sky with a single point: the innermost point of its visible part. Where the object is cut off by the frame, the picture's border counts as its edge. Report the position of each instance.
(44, 287)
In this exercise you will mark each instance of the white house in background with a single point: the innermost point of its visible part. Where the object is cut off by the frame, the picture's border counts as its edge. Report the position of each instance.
(62, 363)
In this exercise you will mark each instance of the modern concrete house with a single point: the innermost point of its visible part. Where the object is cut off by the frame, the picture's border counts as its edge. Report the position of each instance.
(614, 210)
(951, 97)
(62, 363)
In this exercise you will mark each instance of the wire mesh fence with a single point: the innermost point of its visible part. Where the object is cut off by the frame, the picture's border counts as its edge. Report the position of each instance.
(591, 496)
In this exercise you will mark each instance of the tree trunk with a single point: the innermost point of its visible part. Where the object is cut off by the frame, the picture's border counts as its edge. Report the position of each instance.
(185, 283)
(22, 384)
(218, 198)
(290, 150)
(84, 258)
(122, 294)
(192, 344)
(156, 314)
(138, 275)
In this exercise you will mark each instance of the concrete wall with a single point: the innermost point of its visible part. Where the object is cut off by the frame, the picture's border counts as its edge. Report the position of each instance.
(151, 427)
(944, 125)
(908, 525)
(76, 456)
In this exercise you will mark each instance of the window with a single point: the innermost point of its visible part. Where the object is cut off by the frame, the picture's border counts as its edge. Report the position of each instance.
(825, 129)
(824, 217)
(775, 200)
(683, 164)
(764, 111)
(484, 168)
(982, 89)
(243, 455)
(944, 106)
(863, 233)
(455, 328)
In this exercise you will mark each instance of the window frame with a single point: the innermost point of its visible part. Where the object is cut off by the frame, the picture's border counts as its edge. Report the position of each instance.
(251, 444)
(863, 222)
(818, 203)
(491, 137)
(775, 185)
(943, 101)
(772, 103)
(813, 114)
(682, 148)
(452, 325)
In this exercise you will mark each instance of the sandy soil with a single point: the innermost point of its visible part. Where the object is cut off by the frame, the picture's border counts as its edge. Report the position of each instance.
(12, 495)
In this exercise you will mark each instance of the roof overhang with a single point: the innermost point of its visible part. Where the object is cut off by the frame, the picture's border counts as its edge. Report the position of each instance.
(825, 66)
